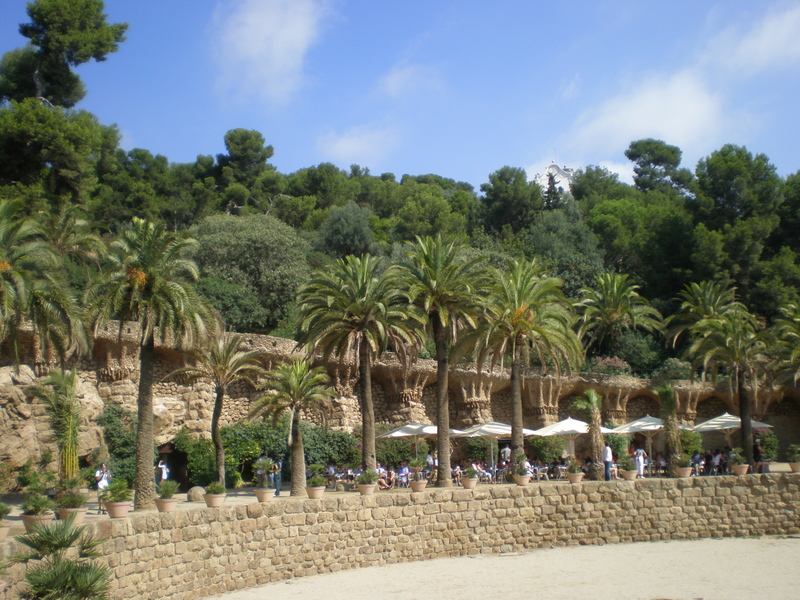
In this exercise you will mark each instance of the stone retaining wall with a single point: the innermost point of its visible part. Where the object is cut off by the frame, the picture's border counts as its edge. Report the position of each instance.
(201, 551)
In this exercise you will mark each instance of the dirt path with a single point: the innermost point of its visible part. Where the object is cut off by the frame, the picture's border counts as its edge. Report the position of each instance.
(725, 569)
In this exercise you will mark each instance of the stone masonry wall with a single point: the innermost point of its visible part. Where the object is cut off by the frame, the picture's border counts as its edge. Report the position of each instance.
(200, 552)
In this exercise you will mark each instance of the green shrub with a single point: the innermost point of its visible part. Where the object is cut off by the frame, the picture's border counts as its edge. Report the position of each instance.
(215, 487)
(71, 500)
(608, 365)
(793, 453)
(481, 449)
(619, 442)
(119, 427)
(117, 491)
(625, 463)
(167, 489)
(547, 449)
(639, 350)
(673, 368)
(769, 443)
(691, 442)
(316, 481)
(36, 504)
(368, 477)
(5, 510)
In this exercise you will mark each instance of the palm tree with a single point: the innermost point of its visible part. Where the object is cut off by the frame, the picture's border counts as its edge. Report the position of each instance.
(526, 312)
(445, 284)
(32, 287)
(355, 311)
(222, 362)
(615, 305)
(60, 571)
(672, 433)
(786, 330)
(591, 404)
(149, 280)
(57, 393)
(294, 387)
(733, 340)
(71, 236)
(703, 300)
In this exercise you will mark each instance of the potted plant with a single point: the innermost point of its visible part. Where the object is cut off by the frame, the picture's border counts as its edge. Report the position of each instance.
(367, 481)
(70, 500)
(521, 474)
(418, 481)
(215, 494)
(627, 468)
(117, 498)
(36, 509)
(470, 479)
(793, 457)
(166, 490)
(574, 472)
(738, 462)
(683, 467)
(5, 509)
(265, 466)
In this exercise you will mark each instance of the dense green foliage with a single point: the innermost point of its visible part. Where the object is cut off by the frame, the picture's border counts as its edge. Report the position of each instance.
(119, 428)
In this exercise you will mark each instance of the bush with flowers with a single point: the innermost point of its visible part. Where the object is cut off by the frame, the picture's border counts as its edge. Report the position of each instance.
(608, 365)
(673, 368)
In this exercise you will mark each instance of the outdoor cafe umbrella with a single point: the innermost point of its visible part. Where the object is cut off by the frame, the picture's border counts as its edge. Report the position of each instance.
(492, 430)
(415, 431)
(728, 424)
(570, 429)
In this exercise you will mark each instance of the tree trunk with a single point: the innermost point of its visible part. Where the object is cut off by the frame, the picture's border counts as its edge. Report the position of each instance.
(367, 409)
(517, 440)
(744, 413)
(145, 482)
(298, 457)
(597, 471)
(216, 434)
(444, 478)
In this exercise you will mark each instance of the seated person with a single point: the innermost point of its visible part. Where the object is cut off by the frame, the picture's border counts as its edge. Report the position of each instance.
(456, 472)
(391, 478)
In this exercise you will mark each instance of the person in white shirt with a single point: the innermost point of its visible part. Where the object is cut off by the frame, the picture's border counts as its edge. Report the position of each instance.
(608, 459)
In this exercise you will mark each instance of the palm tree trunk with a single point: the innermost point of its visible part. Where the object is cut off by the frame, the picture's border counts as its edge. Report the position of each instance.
(145, 473)
(216, 435)
(442, 402)
(744, 413)
(298, 457)
(367, 409)
(597, 469)
(517, 440)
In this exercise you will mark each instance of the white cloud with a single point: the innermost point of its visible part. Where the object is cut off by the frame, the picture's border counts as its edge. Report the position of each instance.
(679, 109)
(774, 42)
(405, 80)
(261, 45)
(572, 89)
(361, 145)
(624, 170)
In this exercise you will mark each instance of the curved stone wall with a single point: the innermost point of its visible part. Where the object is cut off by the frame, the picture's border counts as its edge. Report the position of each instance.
(199, 552)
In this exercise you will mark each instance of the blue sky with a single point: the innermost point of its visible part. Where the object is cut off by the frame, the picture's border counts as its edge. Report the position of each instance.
(456, 88)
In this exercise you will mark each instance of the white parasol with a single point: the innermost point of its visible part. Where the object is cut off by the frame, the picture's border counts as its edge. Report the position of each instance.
(570, 429)
(728, 424)
(416, 431)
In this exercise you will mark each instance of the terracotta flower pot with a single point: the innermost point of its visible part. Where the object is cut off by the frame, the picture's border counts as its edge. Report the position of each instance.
(628, 475)
(315, 492)
(418, 486)
(683, 471)
(794, 466)
(575, 477)
(30, 520)
(166, 505)
(367, 489)
(263, 494)
(522, 479)
(740, 469)
(469, 484)
(214, 500)
(80, 514)
(118, 510)
(4, 529)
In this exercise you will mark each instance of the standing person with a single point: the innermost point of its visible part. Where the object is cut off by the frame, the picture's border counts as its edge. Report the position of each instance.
(758, 456)
(162, 464)
(103, 477)
(505, 453)
(639, 456)
(608, 459)
(275, 476)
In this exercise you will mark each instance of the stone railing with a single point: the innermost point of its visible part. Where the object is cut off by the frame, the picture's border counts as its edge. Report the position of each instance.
(200, 552)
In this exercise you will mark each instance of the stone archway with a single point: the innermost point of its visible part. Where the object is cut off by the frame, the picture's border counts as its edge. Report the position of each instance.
(641, 406)
(709, 408)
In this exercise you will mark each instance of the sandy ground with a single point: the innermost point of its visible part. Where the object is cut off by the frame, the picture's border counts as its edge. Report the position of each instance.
(726, 569)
